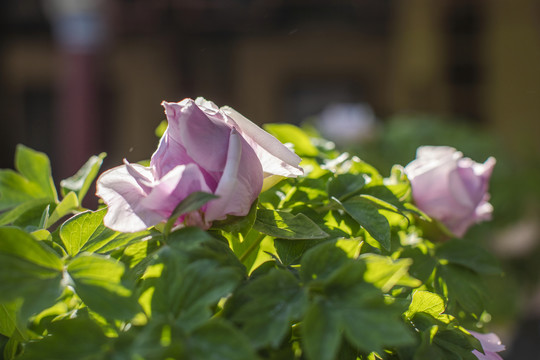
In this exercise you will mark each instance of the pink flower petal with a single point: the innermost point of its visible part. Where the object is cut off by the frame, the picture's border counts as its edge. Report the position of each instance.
(132, 208)
(491, 344)
(204, 138)
(122, 193)
(240, 183)
(174, 187)
(276, 158)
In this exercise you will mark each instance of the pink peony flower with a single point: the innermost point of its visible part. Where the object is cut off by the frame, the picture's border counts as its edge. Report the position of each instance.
(491, 345)
(204, 148)
(451, 188)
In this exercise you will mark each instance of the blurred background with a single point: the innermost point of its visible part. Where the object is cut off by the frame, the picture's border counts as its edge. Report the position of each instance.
(378, 77)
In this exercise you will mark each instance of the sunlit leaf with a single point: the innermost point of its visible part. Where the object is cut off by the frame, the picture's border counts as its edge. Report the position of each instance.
(35, 167)
(428, 303)
(11, 216)
(384, 272)
(81, 181)
(86, 232)
(366, 213)
(345, 185)
(10, 325)
(65, 207)
(285, 225)
(287, 133)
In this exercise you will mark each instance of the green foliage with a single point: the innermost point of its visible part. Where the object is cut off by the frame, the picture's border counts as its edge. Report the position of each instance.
(284, 225)
(31, 181)
(331, 265)
(293, 135)
(266, 306)
(81, 181)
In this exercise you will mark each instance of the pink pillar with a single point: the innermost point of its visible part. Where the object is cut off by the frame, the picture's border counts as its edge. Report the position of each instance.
(78, 27)
(77, 123)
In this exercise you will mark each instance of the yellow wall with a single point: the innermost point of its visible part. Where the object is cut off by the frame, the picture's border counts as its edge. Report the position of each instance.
(512, 66)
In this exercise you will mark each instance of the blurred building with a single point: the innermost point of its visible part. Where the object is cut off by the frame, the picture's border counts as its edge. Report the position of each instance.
(272, 60)
(78, 77)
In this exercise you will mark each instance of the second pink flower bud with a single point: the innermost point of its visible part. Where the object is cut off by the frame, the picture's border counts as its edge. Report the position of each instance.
(451, 188)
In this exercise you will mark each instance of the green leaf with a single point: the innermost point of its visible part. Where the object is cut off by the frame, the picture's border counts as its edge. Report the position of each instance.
(32, 181)
(15, 190)
(197, 244)
(346, 305)
(11, 216)
(160, 129)
(238, 224)
(319, 262)
(97, 280)
(287, 133)
(41, 234)
(86, 232)
(398, 183)
(187, 291)
(192, 202)
(11, 348)
(28, 269)
(305, 190)
(219, 340)
(423, 263)
(44, 218)
(384, 272)
(358, 166)
(10, 324)
(81, 181)
(190, 275)
(366, 213)
(290, 252)
(247, 247)
(427, 349)
(371, 325)
(22, 247)
(462, 286)
(285, 225)
(345, 186)
(75, 339)
(352, 247)
(271, 302)
(83, 227)
(66, 206)
(102, 243)
(469, 255)
(444, 343)
(428, 303)
(34, 218)
(321, 333)
(385, 198)
(35, 167)
(341, 225)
